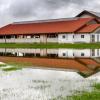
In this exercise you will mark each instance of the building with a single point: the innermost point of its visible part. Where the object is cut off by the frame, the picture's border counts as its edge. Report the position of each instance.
(84, 28)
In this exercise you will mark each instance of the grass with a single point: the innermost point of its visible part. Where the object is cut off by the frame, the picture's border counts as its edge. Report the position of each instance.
(87, 96)
(19, 64)
(97, 86)
(15, 66)
(3, 65)
(50, 45)
(94, 95)
(12, 69)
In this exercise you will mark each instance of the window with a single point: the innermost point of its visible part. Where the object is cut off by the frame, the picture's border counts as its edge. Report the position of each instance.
(98, 38)
(64, 54)
(37, 36)
(93, 52)
(73, 36)
(93, 36)
(28, 37)
(82, 54)
(1, 37)
(63, 36)
(98, 52)
(32, 36)
(82, 36)
(52, 35)
(8, 36)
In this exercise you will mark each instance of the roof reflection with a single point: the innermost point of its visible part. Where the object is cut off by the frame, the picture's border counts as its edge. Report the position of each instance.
(84, 61)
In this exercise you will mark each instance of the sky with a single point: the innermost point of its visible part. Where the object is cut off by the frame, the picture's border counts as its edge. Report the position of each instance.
(26, 10)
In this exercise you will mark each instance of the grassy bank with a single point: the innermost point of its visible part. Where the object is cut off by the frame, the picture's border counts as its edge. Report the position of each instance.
(94, 95)
(15, 66)
(50, 45)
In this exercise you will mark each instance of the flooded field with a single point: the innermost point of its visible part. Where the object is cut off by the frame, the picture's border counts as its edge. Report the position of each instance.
(50, 74)
(30, 84)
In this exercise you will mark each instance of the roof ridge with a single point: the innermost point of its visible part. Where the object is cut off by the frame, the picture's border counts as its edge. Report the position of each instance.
(46, 20)
(50, 20)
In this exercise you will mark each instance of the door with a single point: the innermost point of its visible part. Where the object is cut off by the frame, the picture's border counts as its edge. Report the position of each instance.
(93, 38)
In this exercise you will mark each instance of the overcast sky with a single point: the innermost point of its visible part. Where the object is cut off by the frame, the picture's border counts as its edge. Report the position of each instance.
(16, 10)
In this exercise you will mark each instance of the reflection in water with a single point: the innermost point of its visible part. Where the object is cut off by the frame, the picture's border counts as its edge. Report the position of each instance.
(36, 84)
(85, 61)
(61, 53)
(30, 84)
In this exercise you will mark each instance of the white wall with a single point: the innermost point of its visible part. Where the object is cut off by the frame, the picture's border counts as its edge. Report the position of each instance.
(68, 53)
(86, 52)
(23, 40)
(71, 53)
(52, 40)
(68, 38)
(78, 39)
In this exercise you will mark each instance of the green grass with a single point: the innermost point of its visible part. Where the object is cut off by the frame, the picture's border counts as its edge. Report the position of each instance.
(19, 64)
(97, 86)
(16, 66)
(12, 69)
(94, 95)
(86, 96)
(50, 45)
(3, 65)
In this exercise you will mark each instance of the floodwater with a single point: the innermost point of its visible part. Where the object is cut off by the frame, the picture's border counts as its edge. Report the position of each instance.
(62, 76)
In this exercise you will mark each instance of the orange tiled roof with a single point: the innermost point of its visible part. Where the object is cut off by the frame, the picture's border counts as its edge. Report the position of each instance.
(89, 28)
(45, 27)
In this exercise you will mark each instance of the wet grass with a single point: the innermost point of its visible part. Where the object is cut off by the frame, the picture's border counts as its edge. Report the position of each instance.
(94, 95)
(11, 69)
(15, 66)
(19, 64)
(3, 65)
(97, 86)
(50, 45)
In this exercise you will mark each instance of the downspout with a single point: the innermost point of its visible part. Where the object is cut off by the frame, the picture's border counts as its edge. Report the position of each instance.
(5, 39)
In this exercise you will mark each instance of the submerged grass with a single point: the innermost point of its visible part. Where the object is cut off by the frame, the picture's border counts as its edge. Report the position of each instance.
(19, 64)
(94, 95)
(15, 66)
(3, 65)
(12, 69)
(50, 45)
(97, 86)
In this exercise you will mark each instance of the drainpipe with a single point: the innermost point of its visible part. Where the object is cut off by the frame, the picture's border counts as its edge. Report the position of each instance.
(5, 39)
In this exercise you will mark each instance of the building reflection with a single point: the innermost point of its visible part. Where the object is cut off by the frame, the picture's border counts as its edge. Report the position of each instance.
(60, 53)
(84, 61)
